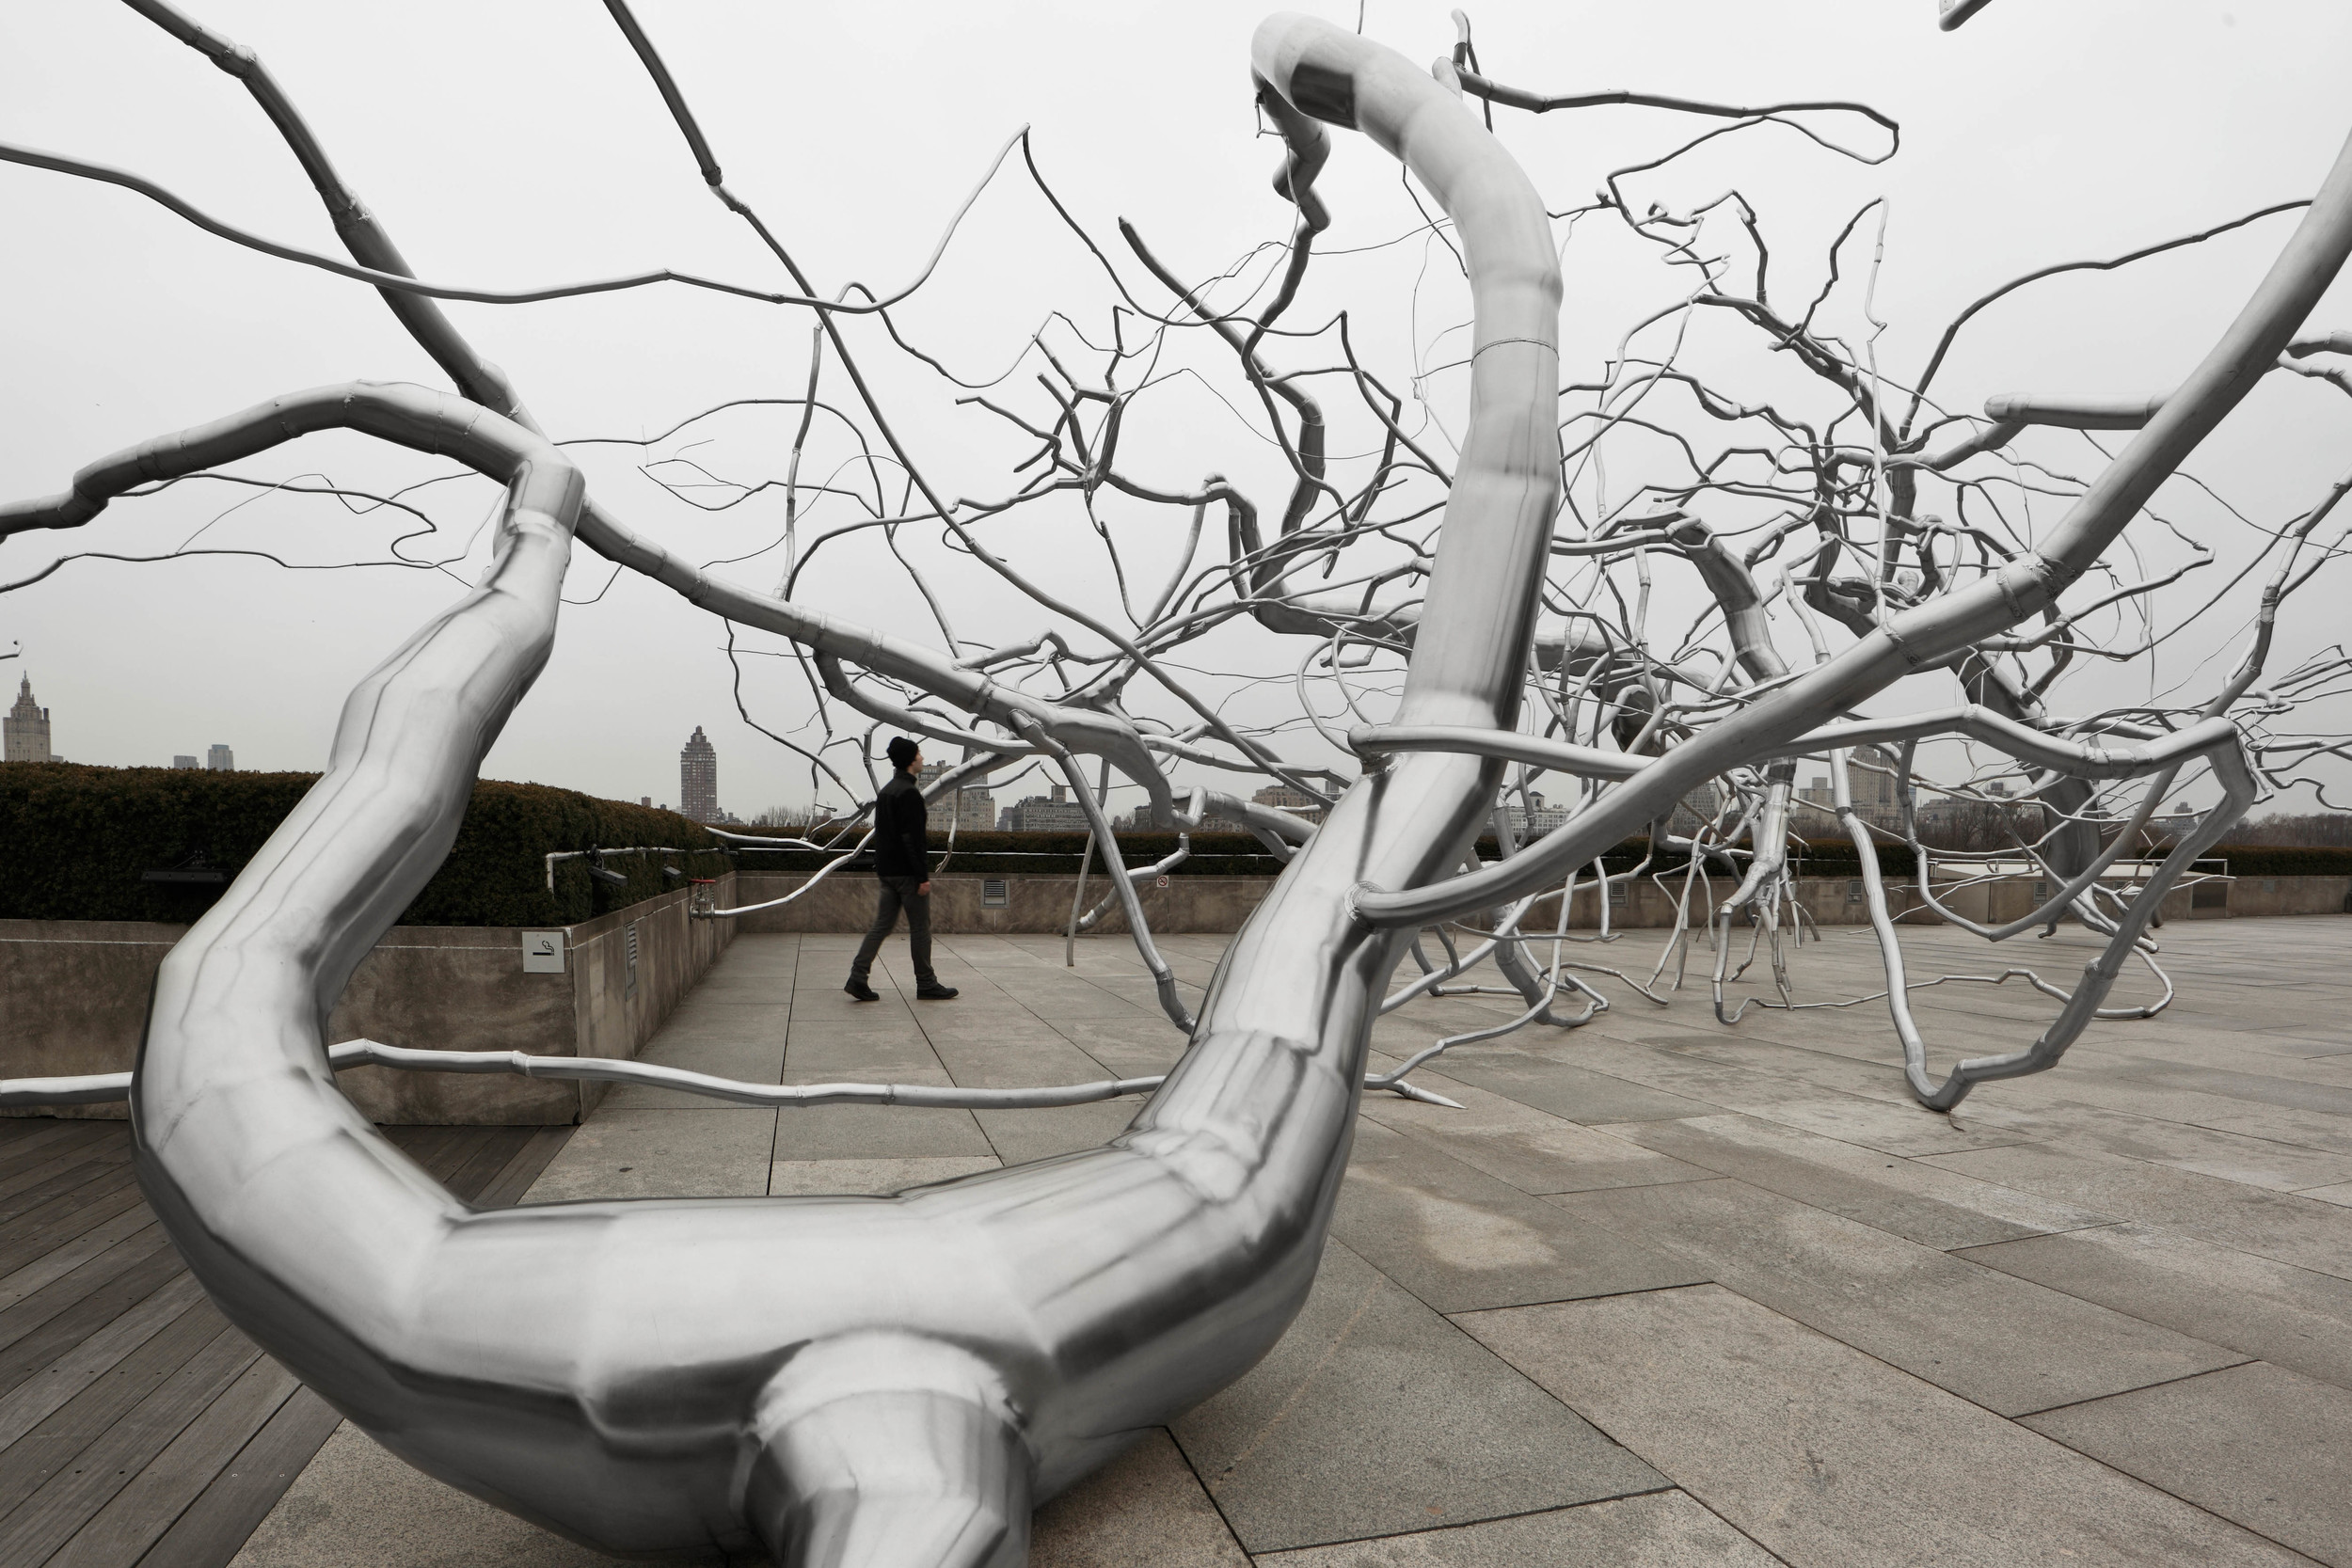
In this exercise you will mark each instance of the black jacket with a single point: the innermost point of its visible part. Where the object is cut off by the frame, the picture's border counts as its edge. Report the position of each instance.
(901, 839)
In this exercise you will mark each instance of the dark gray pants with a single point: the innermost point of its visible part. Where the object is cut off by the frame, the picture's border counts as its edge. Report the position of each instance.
(898, 892)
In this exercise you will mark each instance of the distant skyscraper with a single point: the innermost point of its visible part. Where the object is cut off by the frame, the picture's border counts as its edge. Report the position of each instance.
(26, 729)
(220, 759)
(969, 809)
(698, 779)
(183, 760)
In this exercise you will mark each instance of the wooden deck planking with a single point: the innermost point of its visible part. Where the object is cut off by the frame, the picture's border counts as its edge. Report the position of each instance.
(75, 1285)
(138, 1427)
(94, 1242)
(215, 1524)
(102, 1306)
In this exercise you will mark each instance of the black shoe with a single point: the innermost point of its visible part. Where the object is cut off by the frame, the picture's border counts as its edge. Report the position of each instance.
(859, 992)
(932, 991)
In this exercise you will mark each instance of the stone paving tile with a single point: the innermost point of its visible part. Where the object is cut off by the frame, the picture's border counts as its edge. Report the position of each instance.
(1863, 1069)
(2295, 1042)
(877, 1132)
(1569, 1092)
(748, 1017)
(1072, 998)
(356, 1506)
(2279, 1226)
(1831, 1459)
(1532, 1151)
(2156, 1045)
(2292, 1317)
(2006, 1343)
(1018, 1136)
(1922, 1203)
(752, 1057)
(874, 1176)
(1460, 1239)
(635, 1152)
(1375, 1415)
(1899, 1129)
(2258, 1445)
(1144, 1507)
(2260, 1145)
(1011, 1058)
(1126, 1049)
(1711, 1086)
(726, 983)
(1659, 1529)
(2299, 1092)
(903, 1057)
(2236, 1139)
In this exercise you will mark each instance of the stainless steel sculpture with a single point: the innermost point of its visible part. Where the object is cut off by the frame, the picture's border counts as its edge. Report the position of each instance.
(894, 1383)
(849, 1381)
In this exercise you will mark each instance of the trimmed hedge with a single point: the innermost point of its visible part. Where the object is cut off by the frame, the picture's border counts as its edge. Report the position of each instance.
(2282, 859)
(75, 840)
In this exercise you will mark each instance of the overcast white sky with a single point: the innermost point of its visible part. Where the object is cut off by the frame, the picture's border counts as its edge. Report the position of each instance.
(518, 143)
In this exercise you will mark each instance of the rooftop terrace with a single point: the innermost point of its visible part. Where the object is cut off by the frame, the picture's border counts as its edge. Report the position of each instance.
(1662, 1292)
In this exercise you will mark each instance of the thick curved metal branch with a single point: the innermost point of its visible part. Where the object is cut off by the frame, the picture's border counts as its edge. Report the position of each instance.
(916, 1372)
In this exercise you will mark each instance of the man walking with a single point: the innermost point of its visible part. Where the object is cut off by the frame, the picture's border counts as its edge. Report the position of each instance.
(903, 863)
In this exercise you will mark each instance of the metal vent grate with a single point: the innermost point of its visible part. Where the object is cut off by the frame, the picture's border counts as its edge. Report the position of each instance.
(630, 987)
(994, 892)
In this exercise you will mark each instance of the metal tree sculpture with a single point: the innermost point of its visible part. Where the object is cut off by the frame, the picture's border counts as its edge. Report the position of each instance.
(896, 1381)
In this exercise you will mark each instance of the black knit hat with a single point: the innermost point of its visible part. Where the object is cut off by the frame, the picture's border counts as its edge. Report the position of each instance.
(902, 751)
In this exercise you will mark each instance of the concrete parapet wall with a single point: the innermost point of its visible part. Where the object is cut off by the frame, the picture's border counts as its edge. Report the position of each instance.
(846, 902)
(2262, 896)
(1041, 905)
(74, 997)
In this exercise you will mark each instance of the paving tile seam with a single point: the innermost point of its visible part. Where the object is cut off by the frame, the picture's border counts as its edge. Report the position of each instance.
(2171, 1229)
(1439, 1527)
(2018, 1421)
(933, 1046)
(2161, 1382)
(791, 994)
(2223, 1519)
(1679, 1484)
(1461, 1313)
(1036, 1017)
(2030, 1236)
(2233, 1132)
(1258, 1440)
(1183, 1457)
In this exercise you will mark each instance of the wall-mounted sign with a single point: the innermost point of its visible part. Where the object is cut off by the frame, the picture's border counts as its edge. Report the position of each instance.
(543, 952)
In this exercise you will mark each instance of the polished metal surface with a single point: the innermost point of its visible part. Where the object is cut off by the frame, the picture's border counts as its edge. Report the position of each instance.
(848, 1381)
